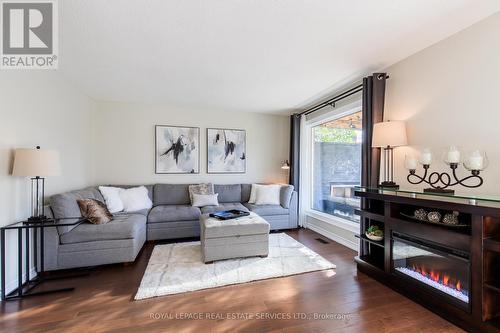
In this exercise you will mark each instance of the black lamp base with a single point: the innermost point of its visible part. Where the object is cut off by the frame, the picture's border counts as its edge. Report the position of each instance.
(37, 195)
(388, 184)
(388, 179)
(36, 219)
(438, 190)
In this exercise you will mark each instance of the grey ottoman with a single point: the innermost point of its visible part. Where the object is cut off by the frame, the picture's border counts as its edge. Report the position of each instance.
(246, 236)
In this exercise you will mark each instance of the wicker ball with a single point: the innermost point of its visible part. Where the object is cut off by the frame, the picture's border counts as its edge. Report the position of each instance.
(434, 217)
(451, 218)
(420, 214)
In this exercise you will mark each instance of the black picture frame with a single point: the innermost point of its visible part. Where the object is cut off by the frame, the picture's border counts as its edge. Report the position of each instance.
(156, 150)
(208, 143)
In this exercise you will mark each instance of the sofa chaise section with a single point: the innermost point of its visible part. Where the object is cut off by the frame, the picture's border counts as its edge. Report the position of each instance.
(87, 244)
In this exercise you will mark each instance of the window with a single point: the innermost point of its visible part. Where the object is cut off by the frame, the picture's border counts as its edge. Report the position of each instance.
(336, 166)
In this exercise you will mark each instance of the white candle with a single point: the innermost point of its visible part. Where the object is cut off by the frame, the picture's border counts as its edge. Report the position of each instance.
(426, 157)
(410, 162)
(453, 155)
(475, 161)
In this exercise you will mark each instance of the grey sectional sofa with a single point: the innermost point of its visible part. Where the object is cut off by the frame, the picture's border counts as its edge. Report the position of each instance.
(171, 217)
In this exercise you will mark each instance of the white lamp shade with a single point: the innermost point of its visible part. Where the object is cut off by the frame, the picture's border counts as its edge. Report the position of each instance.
(36, 162)
(389, 134)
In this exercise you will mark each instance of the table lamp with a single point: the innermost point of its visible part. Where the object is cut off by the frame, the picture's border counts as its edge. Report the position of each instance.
(388, 135)
(37, 164)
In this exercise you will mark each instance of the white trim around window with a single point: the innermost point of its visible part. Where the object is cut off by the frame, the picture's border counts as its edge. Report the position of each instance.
(306, 169)
(335, 114)
(335, 237)
(334, 220)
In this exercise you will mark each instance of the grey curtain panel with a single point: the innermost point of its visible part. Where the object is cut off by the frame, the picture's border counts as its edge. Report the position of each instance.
(295, 151)
(373, 112)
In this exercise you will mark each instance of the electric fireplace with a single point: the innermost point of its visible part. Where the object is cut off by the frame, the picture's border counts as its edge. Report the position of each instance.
(442, 270)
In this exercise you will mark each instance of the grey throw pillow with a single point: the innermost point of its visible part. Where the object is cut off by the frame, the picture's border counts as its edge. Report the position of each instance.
(207, 188)
(286, 195)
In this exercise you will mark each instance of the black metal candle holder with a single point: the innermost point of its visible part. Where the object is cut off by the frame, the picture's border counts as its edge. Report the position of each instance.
(440, 181)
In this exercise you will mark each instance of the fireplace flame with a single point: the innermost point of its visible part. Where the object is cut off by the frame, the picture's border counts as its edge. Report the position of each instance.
(442, 278)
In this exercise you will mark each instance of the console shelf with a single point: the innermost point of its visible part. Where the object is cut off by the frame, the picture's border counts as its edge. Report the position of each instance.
(479, 240)
(366, 239)
(370, 215)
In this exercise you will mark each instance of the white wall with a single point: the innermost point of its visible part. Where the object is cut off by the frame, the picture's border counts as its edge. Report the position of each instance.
(40, 108)
(448, 94)
(123, 149)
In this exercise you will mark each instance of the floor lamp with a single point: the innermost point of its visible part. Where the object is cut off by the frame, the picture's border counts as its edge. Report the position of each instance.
(37, 164)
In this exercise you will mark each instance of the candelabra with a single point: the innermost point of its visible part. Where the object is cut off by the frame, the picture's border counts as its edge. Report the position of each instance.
(440, 182)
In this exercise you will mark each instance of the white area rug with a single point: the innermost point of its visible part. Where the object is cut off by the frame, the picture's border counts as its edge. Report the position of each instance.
(177, 268)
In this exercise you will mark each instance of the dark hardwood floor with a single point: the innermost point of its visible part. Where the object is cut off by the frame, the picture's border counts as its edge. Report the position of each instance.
(103, 302)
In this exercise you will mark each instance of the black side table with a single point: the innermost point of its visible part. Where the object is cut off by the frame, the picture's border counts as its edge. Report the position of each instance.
(31, 229)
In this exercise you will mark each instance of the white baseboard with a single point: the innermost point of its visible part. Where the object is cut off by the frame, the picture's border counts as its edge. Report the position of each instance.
(334, 237)
(12, 285)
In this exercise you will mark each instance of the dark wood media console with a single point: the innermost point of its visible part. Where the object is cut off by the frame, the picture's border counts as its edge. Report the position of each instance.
(453, 270)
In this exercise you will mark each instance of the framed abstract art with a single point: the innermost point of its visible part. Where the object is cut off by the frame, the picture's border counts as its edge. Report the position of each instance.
(177, 149)
(226, 150)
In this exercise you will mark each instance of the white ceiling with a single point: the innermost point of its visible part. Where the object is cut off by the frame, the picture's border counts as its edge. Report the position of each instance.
(245, 55)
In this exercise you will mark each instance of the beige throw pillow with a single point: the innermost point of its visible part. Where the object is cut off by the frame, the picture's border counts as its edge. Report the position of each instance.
(207, 188)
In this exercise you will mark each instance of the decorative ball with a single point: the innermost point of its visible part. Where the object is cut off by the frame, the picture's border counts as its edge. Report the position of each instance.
(434, 217)
(451, 218)
(420, 214)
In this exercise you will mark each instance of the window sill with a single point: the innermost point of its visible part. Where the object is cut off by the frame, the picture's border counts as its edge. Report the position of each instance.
(334, 220)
